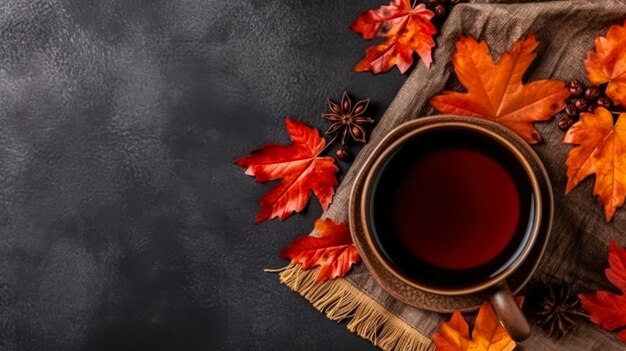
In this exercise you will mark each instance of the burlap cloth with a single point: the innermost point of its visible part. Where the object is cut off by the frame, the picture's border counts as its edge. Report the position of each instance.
(577, 252)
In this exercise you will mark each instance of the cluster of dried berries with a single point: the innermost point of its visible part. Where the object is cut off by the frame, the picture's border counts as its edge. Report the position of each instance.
(441, 7)
(583, 99)
(348, 122)
(558, 309)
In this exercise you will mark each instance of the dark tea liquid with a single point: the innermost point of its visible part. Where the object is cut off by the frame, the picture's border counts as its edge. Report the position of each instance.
(456, 208)
(452, 208)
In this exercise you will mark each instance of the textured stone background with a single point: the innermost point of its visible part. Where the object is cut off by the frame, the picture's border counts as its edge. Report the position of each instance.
(124, 224)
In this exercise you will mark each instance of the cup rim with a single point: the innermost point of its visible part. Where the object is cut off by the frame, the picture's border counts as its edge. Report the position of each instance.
(486, 128)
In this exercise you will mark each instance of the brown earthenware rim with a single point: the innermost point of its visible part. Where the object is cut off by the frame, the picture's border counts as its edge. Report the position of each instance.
(402, 288)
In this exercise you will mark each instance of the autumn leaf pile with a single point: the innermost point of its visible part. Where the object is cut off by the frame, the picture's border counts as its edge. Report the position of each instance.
(600, 141)
(495, 91)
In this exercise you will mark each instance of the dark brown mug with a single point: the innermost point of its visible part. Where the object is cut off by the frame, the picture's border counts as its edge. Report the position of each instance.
(391, 249)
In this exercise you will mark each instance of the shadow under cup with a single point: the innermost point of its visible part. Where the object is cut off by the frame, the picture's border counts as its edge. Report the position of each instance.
(453, 210)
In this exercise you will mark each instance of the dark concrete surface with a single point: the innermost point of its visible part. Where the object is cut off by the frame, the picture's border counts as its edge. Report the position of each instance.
(124, 224)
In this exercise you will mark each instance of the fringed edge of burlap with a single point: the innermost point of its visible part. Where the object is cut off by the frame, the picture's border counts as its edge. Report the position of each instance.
(341, 301)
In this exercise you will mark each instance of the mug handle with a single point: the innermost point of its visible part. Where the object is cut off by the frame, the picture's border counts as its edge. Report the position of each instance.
(509, 312)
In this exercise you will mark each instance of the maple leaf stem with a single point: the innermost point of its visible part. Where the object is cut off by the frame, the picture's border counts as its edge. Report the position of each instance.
(328, 144)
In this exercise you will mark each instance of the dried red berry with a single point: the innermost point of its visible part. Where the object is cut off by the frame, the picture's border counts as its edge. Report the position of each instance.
(343, 153)
(581, 104)
(604, 102)
(571, 110)
(592, 92)
(591, 108)
(440, 10)
(575, 87)
(564, 123)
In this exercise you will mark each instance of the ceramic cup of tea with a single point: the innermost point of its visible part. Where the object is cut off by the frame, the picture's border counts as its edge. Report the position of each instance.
(453, 206)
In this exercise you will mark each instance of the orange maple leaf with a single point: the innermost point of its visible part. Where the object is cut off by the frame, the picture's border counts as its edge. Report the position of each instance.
(299, 166)
(488, 333)
(601, 149)
(406, 29)
(333, 250)
(495, 90)
(607, 64)
(608, 310)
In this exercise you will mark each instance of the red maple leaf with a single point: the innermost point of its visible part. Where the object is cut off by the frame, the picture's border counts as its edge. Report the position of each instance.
(299, 167)
(606, 309)
(406, 29)
(333, 250)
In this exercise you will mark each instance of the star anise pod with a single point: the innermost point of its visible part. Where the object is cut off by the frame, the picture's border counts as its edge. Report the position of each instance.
(558, 310)
(347, 120)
